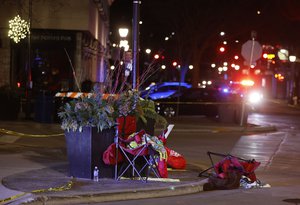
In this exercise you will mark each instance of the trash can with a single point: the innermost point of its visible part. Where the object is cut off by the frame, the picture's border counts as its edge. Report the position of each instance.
(44, 108)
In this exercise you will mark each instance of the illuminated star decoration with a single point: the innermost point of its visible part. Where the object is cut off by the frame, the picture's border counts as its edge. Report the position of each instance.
(18, 28)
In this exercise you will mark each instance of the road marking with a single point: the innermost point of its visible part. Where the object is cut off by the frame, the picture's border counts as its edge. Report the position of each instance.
(10, 132)
(8, 138)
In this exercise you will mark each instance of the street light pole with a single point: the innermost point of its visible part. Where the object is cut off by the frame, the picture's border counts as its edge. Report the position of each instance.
(135, 44)
(293, 94)
(28, 85)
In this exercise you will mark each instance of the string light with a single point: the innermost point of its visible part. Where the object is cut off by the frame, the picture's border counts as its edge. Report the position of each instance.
(18, 28)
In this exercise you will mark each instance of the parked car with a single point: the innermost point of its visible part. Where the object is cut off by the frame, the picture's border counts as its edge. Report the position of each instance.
(192, 101)
(163, 90)
(195, 101)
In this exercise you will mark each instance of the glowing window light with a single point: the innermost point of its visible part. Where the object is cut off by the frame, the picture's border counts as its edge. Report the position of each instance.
(18, 28)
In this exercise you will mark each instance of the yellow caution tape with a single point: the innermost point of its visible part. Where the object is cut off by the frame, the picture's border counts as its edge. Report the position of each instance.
(9, 132)
(12, 198)
(56, 189)
(61, 188)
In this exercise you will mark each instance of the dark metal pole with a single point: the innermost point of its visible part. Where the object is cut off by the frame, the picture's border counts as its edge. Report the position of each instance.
(135, 47)
(28, 74)
(29, 45)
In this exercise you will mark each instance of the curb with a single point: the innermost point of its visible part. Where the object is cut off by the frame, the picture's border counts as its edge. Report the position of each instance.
(262, 129)
(228, 129)
(119, 195)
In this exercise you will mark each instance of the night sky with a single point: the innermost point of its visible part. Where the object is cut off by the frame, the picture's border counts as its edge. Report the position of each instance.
(197, 24)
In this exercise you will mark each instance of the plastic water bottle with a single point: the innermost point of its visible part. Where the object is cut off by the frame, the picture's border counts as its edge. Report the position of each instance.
(96, 174)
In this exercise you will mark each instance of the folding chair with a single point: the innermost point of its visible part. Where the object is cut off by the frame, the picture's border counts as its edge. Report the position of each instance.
(248, 166)
(140, 159)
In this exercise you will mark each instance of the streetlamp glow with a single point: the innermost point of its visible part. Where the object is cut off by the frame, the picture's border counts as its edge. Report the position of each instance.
(191, 67)
(148, 50)
(236, 67)
(292, 58)
(283, 54)
(123, 32)
(124, 44)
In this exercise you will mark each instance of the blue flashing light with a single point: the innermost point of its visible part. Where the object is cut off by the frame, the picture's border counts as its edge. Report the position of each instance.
(160, 95)
(163, 90)
(225, 90)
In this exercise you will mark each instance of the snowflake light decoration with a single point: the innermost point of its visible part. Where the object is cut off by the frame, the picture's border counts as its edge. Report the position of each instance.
(18, 28)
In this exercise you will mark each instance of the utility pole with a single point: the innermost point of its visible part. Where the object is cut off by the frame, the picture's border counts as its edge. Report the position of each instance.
(135, 47)
(28, 73)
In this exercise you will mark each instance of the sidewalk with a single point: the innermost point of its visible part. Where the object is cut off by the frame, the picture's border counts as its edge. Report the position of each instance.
(52, 184)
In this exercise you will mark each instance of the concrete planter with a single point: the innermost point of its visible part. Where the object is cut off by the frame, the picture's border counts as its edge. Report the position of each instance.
(85, 150)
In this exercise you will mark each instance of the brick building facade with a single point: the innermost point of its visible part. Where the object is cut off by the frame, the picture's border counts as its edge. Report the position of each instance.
(65, 36)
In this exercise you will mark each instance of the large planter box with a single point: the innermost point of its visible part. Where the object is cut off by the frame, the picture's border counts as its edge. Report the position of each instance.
(85, 150)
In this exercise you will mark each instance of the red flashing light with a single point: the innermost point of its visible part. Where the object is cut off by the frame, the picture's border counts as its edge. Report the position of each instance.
(18, 84)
